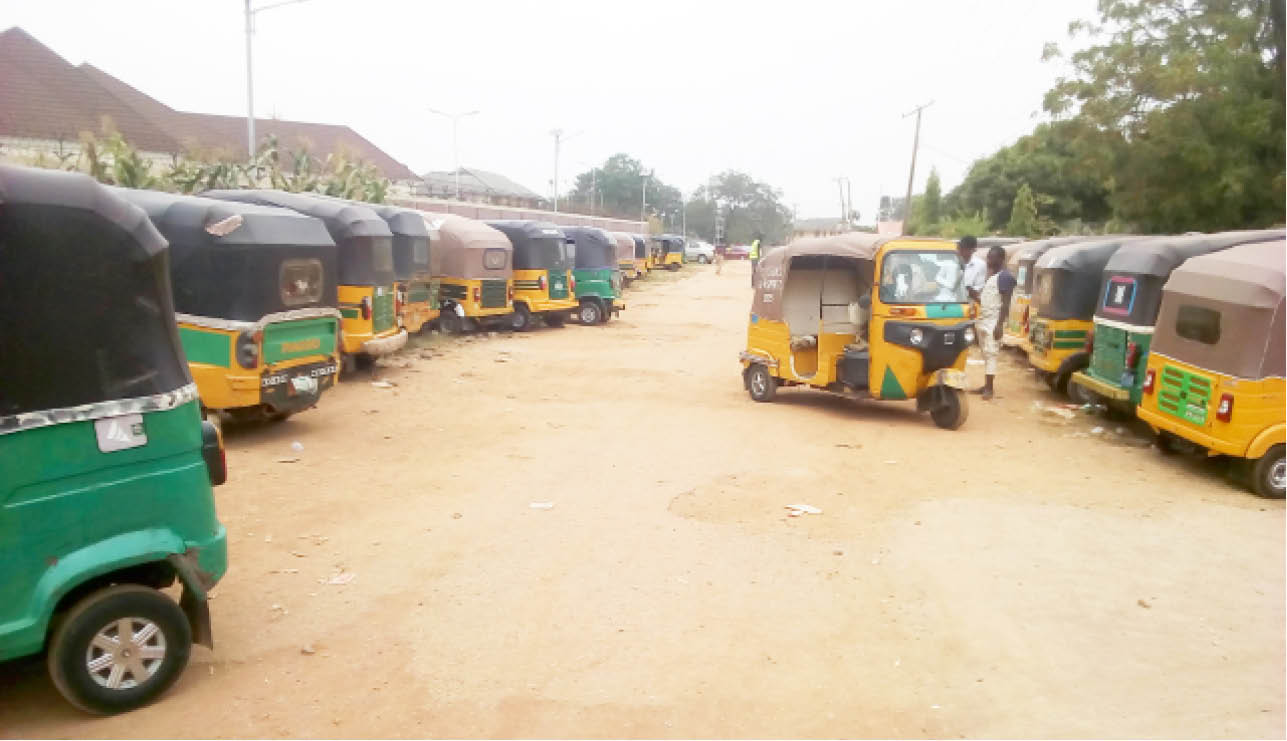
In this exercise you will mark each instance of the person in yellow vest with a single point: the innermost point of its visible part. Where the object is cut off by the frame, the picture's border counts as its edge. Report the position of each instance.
(755, 256)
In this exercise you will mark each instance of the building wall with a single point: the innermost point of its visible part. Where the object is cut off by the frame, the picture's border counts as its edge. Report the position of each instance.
(492, 211)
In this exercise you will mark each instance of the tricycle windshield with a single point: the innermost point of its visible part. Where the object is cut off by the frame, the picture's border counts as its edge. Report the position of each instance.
(921, 277)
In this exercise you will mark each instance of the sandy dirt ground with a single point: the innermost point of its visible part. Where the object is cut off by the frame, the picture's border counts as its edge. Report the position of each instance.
(1019, 577)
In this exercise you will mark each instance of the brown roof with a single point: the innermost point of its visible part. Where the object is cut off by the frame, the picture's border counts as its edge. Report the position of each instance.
(43, 96)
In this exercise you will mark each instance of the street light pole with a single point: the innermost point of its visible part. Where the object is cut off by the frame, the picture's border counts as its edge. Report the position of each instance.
(643, 205)
(558, 135)
(250, 76)
(455, 139)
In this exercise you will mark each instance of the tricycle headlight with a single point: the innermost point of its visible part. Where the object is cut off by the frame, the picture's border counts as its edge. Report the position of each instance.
(916, 336)
(968, 334)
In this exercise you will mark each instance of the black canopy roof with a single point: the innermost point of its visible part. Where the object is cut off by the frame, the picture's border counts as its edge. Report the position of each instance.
(595, 248)
(226, 257)
(1158, 256)
(1068, 277)
(411, 240)
(641, 245)
(538, 245)
(85, 296)
(364, 240)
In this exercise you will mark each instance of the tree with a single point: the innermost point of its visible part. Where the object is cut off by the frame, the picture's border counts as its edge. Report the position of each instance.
(1193, 91)
(931, 205)
(749, 209)
(618, 190)
(1023, 214)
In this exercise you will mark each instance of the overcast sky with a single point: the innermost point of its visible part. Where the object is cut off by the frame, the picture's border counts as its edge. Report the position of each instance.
(795, 93)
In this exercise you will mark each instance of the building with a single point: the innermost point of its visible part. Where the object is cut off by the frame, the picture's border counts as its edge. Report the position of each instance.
(826, 227)
(479, 186)
(46, 103)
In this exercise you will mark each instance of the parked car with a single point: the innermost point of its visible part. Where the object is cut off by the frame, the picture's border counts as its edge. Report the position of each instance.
(737, 252)
(696, 251)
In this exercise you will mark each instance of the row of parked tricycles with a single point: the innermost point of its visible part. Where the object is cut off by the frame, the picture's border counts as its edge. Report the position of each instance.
(1185, 331)
(135, 320)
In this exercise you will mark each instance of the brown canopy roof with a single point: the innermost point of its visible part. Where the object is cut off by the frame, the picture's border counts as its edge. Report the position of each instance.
(771, 273)
(625, 246)
(464, 245)
(1246, 285)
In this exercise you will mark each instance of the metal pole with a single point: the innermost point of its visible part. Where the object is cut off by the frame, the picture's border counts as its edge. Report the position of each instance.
(849, 199)
(594, 187)
(250, 88)
(558, 133)
(455, 149)
(840, 183)
(683, 211)
(911, 174)
(643, 205)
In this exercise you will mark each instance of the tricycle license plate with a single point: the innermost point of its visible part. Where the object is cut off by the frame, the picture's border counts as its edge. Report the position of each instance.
(952, 377)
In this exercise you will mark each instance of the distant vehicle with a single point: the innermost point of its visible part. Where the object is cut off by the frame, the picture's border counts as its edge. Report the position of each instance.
(696, 251)
(737, 252)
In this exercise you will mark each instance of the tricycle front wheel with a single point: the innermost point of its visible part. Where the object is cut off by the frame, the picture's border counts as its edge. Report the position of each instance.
(954, 410)
(119, 648)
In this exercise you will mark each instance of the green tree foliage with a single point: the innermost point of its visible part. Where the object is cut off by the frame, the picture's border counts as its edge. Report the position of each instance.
(1059, 164)
(1186, 99)
(618, 187)
(930, 211)
(1023, 214)
(748, 208)
(110, 159)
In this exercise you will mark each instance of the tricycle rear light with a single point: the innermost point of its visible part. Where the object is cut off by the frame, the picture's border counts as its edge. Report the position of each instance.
(1224, 412)
(1090, 342)
(248, 349)
(541, 282)
(478, 295)
(366, 307)
(212, 453)
(509, 290)
(1150, 378)
(572, 283)
(1132, 355)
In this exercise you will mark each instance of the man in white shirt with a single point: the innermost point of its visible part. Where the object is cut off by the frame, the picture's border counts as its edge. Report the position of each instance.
(975, 271)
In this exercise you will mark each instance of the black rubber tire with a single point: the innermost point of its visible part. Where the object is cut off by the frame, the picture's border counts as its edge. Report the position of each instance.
(1165, 443)
(1058, 383)
(703, 259)
(348, 365)
(1264, 471)
(72, 635)
(761, 384)
(521, 319)
(673, 266)
(953, 413)
(590, 313)
(450, 323)
(553, 319)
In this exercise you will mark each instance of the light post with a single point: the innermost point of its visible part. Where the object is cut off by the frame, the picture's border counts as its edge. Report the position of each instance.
(455, 139)
(250, 77)
(643, 204)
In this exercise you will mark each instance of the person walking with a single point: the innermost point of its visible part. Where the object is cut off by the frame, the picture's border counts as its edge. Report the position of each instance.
(719, 258)
(994, 309)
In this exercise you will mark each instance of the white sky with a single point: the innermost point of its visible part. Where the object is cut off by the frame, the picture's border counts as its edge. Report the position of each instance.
(794, 92)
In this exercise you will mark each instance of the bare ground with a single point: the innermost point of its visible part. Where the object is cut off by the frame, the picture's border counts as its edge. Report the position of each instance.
(1019, 577)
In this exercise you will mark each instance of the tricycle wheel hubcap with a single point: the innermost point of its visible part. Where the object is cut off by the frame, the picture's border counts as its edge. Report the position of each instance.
(1278, 474)
(125, 653)
(758, 384)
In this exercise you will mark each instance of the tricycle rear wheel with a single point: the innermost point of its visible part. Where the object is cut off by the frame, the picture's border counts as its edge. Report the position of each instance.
(760, 383)
(1269, 473)
(954, 410)
(119, 648)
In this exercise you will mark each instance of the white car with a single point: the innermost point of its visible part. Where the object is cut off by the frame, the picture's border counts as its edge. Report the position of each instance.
(695, 251)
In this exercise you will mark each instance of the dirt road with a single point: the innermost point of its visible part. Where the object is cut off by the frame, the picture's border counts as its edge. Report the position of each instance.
(1020, 577)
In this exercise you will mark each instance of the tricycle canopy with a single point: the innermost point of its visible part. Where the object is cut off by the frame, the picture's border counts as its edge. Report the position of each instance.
(85, 292)
(1224, 311)
(853, 251)
(1134, 276)
(595, 249)
(1069, 276)
(625, 246)
(669, 242)
(641, 246)
(363, 239)
(1025, 256)
(411, 243)
(538, 245)
(240, 261)
(472, 250)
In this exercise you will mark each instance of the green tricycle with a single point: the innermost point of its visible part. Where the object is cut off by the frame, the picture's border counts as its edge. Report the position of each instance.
(106, 465)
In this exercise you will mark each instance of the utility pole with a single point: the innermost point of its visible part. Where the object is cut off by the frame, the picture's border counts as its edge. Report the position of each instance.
(558, 136)
(683, 215)
(643, 204)
(250, 77)
(849, 200)
(594, 187)
(911, 175)
(455, 139)
(840, 183)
